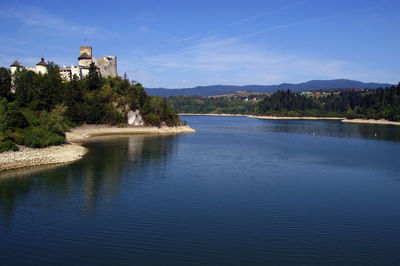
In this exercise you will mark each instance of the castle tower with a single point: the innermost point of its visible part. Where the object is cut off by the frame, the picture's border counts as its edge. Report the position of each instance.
(14, 66)
(85, 49)
(85, 55)
(41, 67)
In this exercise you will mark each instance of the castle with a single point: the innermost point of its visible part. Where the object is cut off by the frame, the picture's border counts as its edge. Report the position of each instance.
(106, 65)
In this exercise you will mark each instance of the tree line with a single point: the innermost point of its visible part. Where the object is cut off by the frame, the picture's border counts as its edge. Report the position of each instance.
(381, 103)
(205, 105)
(44, 106)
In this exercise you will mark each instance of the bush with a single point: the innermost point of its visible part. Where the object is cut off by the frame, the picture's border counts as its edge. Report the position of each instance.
(16, 119)
(36, 137)
(112, 116)
(7, 146)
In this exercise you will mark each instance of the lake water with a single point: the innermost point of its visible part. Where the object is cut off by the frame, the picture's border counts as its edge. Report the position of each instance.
(239, 191)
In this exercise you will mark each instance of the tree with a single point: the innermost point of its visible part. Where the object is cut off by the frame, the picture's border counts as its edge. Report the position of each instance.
(93, 78)
(23, 82)
(5, 82)
(74, 101)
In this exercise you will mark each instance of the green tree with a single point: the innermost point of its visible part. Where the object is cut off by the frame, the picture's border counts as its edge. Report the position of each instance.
(5, 83)
(94, 81)
(23, 82)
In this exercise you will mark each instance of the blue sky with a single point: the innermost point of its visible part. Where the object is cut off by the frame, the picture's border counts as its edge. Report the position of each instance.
(177, 44)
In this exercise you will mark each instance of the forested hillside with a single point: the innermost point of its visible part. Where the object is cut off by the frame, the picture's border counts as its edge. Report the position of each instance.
(43, 107)
(351, 103)
(204, 91)
(204, 105)
(370, 104)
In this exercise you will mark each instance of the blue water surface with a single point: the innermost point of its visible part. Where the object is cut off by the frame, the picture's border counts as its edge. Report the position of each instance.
(239, 191)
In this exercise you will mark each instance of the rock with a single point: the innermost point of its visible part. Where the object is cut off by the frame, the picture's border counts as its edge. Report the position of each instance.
(135, 119)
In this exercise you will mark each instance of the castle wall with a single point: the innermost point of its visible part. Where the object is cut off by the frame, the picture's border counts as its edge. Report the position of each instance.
(65, 74)
(85, 72)
(75, 70)
(85, 62)
(107, 65)
(41, 69)
(13, 69)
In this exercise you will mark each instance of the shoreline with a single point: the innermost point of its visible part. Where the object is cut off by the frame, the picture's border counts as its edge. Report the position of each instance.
(73, 150)
(371, 121)
(83, 132)
(342, 119)
(183, 114)
(27, 157)
(296, 117)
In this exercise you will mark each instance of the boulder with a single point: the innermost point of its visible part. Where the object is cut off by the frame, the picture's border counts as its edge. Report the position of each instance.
(134, 118)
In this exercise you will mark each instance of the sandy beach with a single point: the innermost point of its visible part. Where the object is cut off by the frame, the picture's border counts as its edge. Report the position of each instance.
(72, 151)
(295, 117)
(342, 119)
(81, 133)
(371, 121)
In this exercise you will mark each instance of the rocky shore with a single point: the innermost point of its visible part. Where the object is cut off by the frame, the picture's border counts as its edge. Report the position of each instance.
(73, 151)
(50, 155)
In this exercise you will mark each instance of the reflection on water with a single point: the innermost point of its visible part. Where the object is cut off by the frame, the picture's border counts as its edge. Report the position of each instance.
(239, 191)
(338, 129)
(98, 174)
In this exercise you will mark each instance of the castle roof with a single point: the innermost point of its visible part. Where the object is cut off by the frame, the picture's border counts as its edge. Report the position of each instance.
(84, 56)
(41, 63)
(15, 64)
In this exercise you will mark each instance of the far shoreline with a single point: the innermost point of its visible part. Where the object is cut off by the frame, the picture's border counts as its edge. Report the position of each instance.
(73, 150)
(194, 114)
(342, 119)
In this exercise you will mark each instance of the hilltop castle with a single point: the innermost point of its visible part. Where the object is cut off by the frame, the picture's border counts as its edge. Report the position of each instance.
(106, 65)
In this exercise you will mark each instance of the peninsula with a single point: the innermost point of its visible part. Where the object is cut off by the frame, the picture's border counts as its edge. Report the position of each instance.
(45, 110)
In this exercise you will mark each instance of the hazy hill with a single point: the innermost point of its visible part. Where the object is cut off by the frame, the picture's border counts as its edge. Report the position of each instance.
(309, 85)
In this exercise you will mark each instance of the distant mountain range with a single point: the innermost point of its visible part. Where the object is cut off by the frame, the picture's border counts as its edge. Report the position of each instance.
(305, 86)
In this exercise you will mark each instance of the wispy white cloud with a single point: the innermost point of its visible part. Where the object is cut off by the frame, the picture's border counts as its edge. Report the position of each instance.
(235, 23)
(39, 18)
(288, 25)
(144, 29)
(268, 13)
(226, 62)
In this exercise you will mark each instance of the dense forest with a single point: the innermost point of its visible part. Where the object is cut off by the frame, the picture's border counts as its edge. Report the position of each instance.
(218, 105)
(367, 104)
(43, 107)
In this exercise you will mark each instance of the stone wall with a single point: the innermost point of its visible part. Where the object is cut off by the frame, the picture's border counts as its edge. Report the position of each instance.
(107, 65)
